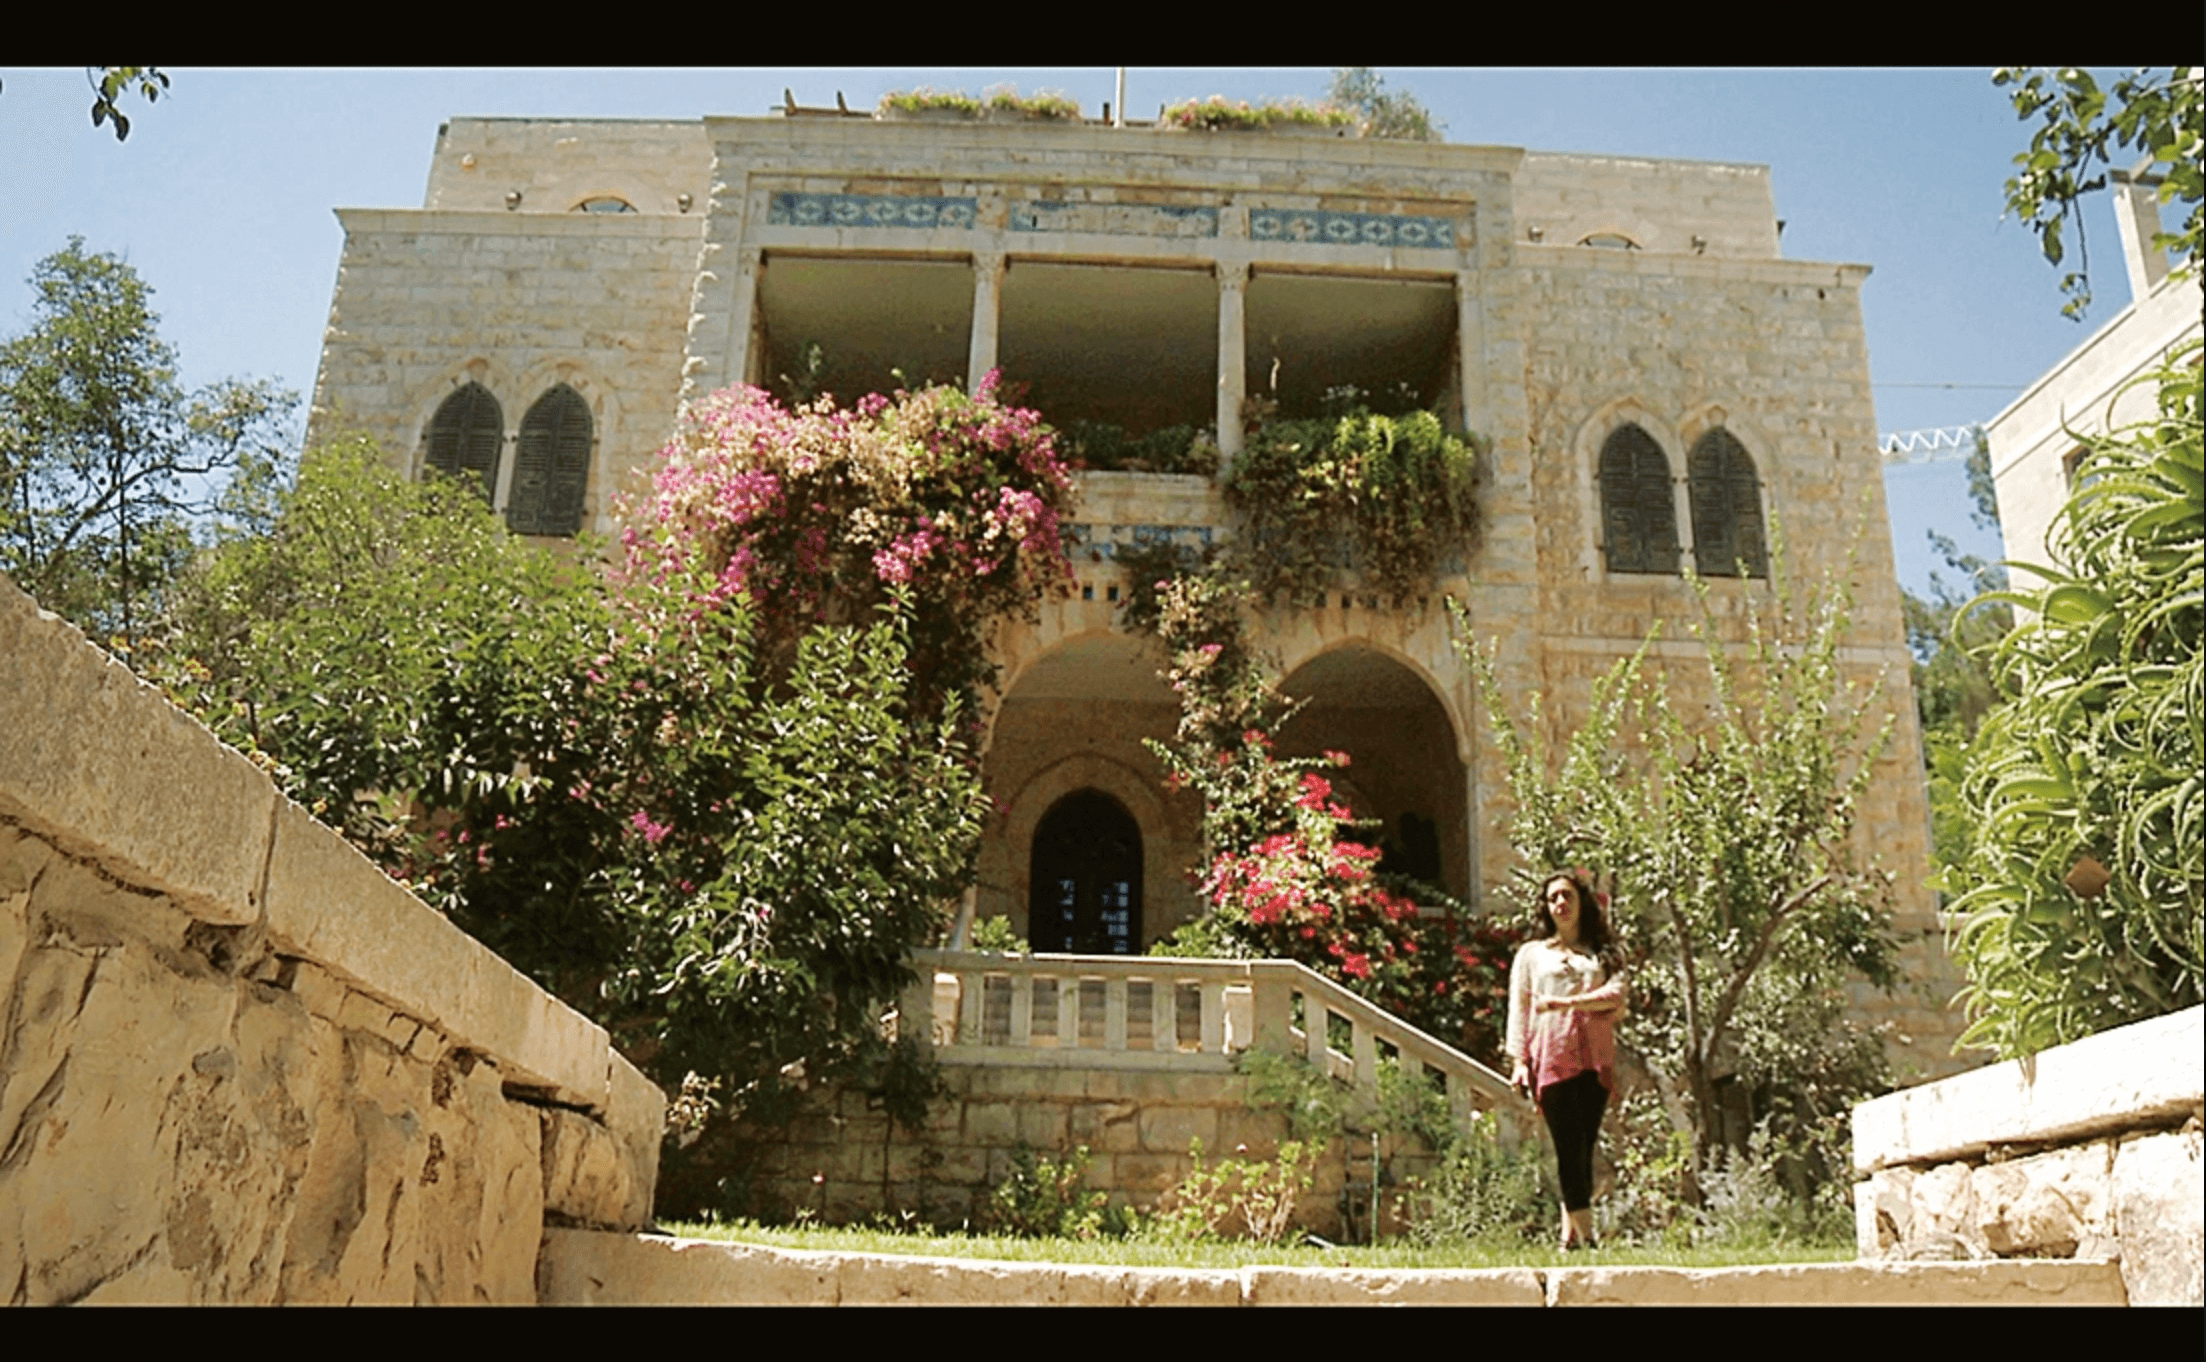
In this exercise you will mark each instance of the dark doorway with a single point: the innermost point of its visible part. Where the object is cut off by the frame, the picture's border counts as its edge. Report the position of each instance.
(1086, 895)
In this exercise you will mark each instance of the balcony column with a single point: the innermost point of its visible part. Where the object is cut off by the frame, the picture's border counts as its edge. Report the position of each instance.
(988, 268)
(1470, 349)
(1233, 282)
(747, 328)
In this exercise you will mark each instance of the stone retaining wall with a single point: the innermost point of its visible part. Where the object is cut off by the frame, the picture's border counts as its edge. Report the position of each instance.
(2089, 1150)
(846, 1162)
(237, 1063)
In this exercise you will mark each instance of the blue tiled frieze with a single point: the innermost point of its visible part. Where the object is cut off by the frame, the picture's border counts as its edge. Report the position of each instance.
(1116, 219)
(1098, 542)
(1354, 229)
(869, 210)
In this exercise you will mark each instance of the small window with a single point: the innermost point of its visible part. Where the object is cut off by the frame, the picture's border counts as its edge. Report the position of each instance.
(466, 436)
(1638, 508)
(1727, 508)
(605, 204)
(551, 465)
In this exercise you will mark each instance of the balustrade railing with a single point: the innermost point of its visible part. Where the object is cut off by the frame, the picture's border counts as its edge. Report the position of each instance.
(1154, 1012)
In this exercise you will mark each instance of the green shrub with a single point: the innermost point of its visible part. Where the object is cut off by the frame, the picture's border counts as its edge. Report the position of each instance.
(1049, 1199)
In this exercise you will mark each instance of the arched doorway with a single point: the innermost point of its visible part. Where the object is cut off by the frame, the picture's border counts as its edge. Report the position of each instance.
(1085, 895)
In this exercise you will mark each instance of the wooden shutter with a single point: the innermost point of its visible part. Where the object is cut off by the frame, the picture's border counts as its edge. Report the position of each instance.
(465, 437)
(551, 466)
(1727, 508)
(1638, 511)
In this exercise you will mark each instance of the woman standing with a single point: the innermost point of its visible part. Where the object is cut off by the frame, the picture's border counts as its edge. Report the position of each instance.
(1566, 991)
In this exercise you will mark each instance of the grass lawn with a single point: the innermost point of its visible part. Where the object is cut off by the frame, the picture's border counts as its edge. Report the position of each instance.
(1151, 1253)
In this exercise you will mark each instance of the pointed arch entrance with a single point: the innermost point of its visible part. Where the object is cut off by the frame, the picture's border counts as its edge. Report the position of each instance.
(1084, 894)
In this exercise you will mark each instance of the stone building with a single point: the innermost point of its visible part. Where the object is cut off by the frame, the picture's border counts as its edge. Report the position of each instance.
(2038, 441)
(1658, 385)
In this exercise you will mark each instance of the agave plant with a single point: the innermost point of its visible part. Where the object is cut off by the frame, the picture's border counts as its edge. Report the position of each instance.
(2080, 901)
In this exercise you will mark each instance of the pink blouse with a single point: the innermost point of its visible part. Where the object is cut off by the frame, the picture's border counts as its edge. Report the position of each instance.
(1567, 1042)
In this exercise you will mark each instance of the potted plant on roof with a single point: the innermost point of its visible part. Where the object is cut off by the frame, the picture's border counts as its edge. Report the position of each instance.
(1294, 116)
(928, 106)
(1004, 104)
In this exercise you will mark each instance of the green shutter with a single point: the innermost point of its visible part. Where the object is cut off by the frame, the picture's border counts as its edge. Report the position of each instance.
(465, 437)
(1727, 508)
(1638, 510)
(551, 466)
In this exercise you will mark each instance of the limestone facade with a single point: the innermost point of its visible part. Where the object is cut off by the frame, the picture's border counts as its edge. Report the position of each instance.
(1152, 277)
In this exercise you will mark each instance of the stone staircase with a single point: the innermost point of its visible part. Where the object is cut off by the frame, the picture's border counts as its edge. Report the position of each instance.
(585, 1267)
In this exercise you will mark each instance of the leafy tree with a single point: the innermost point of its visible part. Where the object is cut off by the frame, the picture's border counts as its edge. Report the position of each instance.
(109, 82)
(1726, 843)
(2153, 114)
(1384, 114)
(104, 460)
(2084, 886)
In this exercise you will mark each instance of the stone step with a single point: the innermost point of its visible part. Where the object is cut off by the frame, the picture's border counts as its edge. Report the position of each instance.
(589, 1267)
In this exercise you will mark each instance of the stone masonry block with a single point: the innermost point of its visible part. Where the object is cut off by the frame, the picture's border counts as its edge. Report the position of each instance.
(1042, 1125)
(2158, 1192)
(2051, 1205)
(98, 763)
(2118, 1078)
(1175, 1129)
(992, 1123)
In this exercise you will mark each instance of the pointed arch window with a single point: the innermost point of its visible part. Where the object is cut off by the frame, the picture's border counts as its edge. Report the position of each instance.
(1726, 498)
(1638, 509)
(551, 465)
(466, 436)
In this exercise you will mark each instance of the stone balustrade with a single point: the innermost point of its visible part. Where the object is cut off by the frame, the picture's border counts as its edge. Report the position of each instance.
(1159, 1012)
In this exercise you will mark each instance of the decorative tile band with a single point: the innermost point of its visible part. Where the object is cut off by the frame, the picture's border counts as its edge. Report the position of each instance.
(1102, 542)
(869, 210)
(1354, 229)
(1116, 219)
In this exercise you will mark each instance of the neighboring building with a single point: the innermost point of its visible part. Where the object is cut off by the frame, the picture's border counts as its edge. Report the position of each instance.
(1659, 387)
(2038, 441)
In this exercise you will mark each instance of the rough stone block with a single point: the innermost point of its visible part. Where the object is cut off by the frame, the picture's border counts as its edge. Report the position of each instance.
(1175, 1129)
(98, 763)
(2158, 1192)
(992, 1123)
(635, 1117)
(2052, 1205)
(587, 1180)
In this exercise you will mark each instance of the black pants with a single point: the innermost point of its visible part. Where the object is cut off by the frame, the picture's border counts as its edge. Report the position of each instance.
(1573, 1110)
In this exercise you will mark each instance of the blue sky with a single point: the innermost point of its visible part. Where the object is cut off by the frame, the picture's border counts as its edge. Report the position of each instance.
(222, 196)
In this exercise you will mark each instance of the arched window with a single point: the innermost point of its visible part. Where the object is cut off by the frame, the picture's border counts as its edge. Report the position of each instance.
(551, 465)
(1727, 508)
(1085, 895)
(1638, 512)
(466, 436)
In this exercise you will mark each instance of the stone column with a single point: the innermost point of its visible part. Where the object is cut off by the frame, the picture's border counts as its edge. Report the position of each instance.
(1233, 281)
(1470, 349)
(988, 269)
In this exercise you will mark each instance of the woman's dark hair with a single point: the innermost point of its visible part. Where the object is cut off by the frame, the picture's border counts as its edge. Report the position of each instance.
(1593, 920)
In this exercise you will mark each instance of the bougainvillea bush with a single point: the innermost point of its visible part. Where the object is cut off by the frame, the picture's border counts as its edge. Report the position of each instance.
(1286, 877)
(820, 513)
